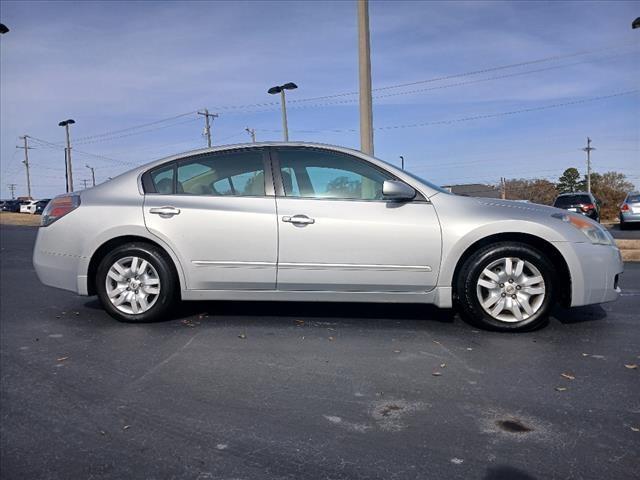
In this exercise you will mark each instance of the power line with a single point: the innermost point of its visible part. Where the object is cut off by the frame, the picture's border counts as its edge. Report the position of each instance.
(112, 133)
(475, 117)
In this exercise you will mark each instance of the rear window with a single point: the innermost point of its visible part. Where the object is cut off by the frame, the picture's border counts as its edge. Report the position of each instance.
(633, 199)
(568, 200)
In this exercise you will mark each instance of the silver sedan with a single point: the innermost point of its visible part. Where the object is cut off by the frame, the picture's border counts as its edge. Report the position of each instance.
(309, 222)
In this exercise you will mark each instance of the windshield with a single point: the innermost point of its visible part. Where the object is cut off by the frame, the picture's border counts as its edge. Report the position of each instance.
(428, 183)
(569, 200)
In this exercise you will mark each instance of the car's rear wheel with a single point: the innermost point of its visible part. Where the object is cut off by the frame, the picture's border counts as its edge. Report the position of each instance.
(135, 283)
(506, 286)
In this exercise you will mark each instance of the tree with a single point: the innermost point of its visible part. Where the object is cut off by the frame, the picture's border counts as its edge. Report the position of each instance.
(569, 181)
(610, 188)
(537, 190)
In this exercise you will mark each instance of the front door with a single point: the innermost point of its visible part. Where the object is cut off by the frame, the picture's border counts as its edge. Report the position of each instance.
(338, 233)
(214, 212)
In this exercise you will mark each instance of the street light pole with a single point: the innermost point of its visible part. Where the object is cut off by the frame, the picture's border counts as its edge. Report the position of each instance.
(93, 174)
(402, 161)
(364, 64)
(252, 134)
(283, 104)
(66, 124)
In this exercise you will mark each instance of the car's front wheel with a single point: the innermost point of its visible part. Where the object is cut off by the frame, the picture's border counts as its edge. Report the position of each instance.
(506, 286)
(135, 283)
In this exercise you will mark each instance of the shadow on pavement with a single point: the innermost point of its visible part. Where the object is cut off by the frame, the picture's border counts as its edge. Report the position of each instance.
(505, 472)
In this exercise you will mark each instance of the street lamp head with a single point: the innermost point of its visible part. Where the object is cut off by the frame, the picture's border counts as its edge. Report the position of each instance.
(3, 28)
(636, 23)
(279, 88)
(64, 123)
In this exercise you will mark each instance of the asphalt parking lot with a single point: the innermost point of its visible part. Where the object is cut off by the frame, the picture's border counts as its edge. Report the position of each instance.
(308, 391)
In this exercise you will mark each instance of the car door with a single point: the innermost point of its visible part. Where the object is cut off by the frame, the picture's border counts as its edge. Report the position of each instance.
(217, 211)
(338, 233)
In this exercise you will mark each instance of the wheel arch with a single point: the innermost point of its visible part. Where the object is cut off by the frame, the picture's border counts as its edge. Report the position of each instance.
(115, 242)
(546, 247)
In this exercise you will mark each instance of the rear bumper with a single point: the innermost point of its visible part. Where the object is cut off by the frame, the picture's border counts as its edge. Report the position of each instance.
(629, 217)
(57, 269)
(594, 272)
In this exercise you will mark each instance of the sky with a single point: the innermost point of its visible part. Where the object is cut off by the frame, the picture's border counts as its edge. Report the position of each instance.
(491, 89)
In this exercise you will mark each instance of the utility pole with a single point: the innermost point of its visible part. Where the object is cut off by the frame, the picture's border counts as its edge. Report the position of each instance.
(93, 174)
(588, 149)
(402, 162)
(503, 188)
(12, 189)
(252, 134)
(207, 125)
(364, 63)
(26, 148)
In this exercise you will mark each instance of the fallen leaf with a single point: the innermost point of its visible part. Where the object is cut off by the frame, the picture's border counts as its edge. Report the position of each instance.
(126, 427)
(585, 354)
(436, 342)
(631, 366)
(331, 339)
(561, 389)
(62, 359)
(635, 429)
(300, 322)
(443, 365)
(76, 313)
(568, 376)
(436, 374)
(242, 335)
(469, 349)
(102, 432)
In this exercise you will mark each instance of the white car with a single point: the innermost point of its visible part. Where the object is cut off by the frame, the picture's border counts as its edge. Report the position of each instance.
(29, 207)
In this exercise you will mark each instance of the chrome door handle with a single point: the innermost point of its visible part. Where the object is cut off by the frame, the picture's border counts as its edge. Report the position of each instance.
(299, 220)
(165, 211)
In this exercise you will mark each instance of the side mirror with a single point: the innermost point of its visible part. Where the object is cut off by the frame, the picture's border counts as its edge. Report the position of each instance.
(395, 190)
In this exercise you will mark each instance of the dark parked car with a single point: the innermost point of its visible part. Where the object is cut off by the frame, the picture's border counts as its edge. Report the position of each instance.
(580, 202)
(630, 211)
(40, 205)
(11, 206)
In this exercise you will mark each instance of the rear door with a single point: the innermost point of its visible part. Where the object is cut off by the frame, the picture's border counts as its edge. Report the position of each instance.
(217, 211)
(337, 232)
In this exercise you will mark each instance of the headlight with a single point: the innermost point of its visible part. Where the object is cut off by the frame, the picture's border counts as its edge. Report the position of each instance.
(594, 232)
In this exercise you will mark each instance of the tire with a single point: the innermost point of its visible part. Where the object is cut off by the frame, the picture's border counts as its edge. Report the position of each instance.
(623, 226)
(472, 284)
(122, 292)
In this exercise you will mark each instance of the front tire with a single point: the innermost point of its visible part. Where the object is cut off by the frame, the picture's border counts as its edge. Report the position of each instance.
(507, 286)
(135, 283)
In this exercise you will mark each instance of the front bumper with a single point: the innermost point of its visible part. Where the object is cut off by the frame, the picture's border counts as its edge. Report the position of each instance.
(594, 272)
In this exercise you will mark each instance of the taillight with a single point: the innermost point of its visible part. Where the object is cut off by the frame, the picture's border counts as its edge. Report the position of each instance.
(624, 207)
(587, 207)
(59, 207)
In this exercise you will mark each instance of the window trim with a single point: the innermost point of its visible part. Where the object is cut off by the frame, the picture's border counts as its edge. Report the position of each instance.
(149, 188)
(279, 184)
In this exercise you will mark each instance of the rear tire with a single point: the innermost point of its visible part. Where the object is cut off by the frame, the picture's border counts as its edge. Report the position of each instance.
(136, 283)
(506, 286)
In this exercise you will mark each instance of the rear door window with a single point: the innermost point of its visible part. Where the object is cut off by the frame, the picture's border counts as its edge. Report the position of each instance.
(239, 174)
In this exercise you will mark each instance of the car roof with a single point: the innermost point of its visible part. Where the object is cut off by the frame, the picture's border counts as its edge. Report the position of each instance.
(573, 193)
